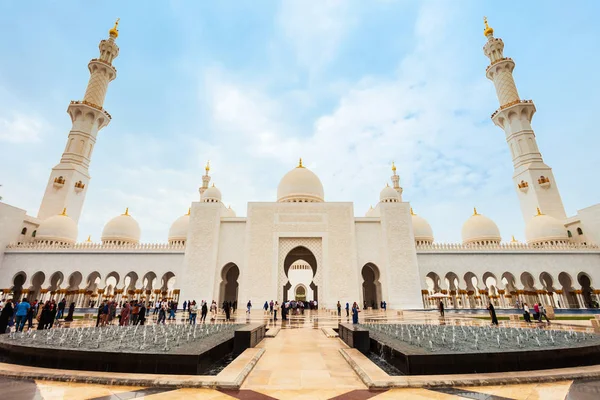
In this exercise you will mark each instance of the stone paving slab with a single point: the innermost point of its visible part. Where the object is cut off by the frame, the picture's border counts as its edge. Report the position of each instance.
(329, 332)
(231, 377)
(272, 332)
(375, 378)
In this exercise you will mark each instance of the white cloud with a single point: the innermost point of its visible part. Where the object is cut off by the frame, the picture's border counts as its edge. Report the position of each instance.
(20, 128)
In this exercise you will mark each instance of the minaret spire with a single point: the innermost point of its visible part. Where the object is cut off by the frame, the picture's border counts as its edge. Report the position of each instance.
(205, 178)
(396, 181)
(69, 180)
(533, 179)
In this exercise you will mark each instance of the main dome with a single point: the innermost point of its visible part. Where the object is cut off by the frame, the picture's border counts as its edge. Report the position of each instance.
(179, 229)
(300, 185)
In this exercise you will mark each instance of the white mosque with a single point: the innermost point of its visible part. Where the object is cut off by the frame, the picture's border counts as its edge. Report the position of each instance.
(300, 246)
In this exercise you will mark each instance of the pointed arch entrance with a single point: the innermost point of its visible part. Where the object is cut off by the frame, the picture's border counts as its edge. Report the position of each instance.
(371, 286)
(300, 253)
(228, 289)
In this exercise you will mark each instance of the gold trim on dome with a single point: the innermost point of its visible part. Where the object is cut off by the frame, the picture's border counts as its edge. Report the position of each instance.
(126, 212)
(64, 212)
(89, 239)
(300, 164)
(412, 212)
(539, 212)
(513, 239)
(189, 211)
(475, 211)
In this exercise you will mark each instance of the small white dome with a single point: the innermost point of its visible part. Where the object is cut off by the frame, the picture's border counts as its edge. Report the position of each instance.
(421, 229)
(545, 229)
(123, 229)
(373, 212)
(228, 212)
(211, 195)
(300, 185)
(389, 195)
(479, 229)
(58, 228)
(179, 229)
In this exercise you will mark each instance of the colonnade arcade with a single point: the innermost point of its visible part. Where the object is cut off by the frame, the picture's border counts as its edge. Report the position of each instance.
(473, 291)
(94, 288)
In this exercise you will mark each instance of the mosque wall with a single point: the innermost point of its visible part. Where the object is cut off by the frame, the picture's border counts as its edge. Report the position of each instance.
(69, 262)
(232, 238)
(400, 256)
(590, 222)
(370, 249)
(11, 221)
(535, 263)
(201, 251)
(332, 223)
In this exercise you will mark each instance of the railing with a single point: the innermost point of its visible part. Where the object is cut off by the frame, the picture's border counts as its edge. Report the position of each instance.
(94, 247)
(497, 61)
(505, 247)
(97, 107)
(103, 62)
(512, 103)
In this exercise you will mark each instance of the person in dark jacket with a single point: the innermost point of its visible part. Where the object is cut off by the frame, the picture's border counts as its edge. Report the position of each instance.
(227, 310)
(6, 315)
(204, 311)
(493, 314)
(71, 311)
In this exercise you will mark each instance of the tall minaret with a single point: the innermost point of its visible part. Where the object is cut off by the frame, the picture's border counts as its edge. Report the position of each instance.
(396, 181)
(533, 179)
(69, 180)
(205, 179)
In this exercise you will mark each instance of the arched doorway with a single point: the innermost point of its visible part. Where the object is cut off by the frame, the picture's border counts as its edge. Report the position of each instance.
(300, 293)
(296, 254)
(587, 292)
(570, 298)
(371, 286)
(36, 285)
(18, 282)
(229, 283)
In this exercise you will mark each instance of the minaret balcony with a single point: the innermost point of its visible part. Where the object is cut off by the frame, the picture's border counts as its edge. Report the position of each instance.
(79, 186)
(512, 104)
(523, 186)
(498, 61)
(59, 182)
(544, 182)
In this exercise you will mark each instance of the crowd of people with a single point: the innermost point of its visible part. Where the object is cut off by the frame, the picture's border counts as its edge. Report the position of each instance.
(539, 312)
(19, 313)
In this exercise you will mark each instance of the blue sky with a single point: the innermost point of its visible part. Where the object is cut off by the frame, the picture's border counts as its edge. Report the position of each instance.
(347, 85)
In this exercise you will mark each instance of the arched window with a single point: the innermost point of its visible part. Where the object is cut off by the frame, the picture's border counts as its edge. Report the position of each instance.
(24, 231)
(569, 234)
(579, 231)
(33, 234)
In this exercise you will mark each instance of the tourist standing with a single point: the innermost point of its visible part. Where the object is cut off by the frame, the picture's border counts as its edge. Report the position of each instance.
(142, 314)
(526, 315)
(204, 311)
(536, 313)
(135, 313)
(71, 312)
(172, 311)
(355, 312)
(227, 310)
(266, 307)
(185, 305)
(384, 306)
(125, 313)
(248, 307)
(339, 308)
(275, 309)
(213, 311)
(193, 312)
(162, 313)
(441, 308)
(21, 315)
(32, 311)
(61, 308)
(347, 309)
(493, 314)
(5, 315)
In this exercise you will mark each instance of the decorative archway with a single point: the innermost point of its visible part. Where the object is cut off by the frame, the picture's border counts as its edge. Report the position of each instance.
(298, 252)
(228, 289)
(18, 281)
(587, 292)
(568, 291)
(37, 281)
(371, 287)
(300, 292)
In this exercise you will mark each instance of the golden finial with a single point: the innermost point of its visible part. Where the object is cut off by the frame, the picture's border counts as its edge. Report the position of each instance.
(475, 211)
(394, 167)
(64, 212)
(412, 212)
(189, 211)
(488, 30)
(513, 239)
(207, 168)
(213, 184)
(127, 211)
(538, 211)
(300, 164)
(387, 185)
(89, 239)
(114, 31)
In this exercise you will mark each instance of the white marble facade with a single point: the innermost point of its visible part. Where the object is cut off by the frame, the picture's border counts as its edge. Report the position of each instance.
(389, 254)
